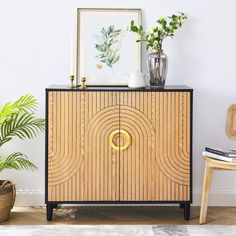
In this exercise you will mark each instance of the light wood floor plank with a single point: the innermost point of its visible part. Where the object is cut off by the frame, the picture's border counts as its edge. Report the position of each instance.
(120, 215)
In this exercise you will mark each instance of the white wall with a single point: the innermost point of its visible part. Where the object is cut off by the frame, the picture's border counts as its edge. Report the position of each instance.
(34, 46)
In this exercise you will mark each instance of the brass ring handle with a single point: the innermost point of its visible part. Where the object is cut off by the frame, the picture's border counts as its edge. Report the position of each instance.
(123, 132)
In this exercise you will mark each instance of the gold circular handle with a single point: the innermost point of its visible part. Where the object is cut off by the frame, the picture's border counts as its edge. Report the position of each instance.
(123, 132)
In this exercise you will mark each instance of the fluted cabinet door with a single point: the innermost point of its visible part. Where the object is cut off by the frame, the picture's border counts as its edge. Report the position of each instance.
(82, 165)
(156, 165)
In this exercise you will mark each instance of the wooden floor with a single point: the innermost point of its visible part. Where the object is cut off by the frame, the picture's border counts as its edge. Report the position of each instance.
(119, 215)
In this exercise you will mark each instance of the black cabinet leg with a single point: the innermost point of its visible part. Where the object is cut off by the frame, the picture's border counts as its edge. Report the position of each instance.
(181, 205)
(186, 211)
(49, 211)
(54, 205)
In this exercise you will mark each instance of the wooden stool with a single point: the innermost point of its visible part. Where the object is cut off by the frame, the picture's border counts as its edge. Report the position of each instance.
(210, 165)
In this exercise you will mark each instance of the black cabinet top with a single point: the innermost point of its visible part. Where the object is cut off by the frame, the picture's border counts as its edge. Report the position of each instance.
(167, 88)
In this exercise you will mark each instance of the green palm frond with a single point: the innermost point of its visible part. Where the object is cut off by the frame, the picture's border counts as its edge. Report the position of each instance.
(23, 125)
(17, 161)
(26, 103)
(18, 119)
(7, 110)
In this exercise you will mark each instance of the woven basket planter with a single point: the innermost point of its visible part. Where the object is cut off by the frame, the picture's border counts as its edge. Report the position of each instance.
(7, 199)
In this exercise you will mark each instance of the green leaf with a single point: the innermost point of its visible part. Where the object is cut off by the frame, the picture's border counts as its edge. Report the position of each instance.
(115, 34)
(98, 47)
(107, 55)
(24, 125)
(104, 47)
(134, 28)
(26, 103)
(17, 161)
(116, 59)
(104, 32)
(110, 29)
(116, 31)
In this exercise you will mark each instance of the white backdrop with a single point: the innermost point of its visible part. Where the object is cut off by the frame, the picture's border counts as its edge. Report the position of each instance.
(34, 53)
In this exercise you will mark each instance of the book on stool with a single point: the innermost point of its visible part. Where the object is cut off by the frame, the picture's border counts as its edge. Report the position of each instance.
(222, 154)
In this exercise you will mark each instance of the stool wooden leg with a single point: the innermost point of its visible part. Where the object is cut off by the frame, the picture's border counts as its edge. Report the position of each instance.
(205, 193)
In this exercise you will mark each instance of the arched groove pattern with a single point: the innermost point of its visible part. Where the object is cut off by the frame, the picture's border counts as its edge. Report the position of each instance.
(96, 138)
(131, 117)
(174, 168)
(157, 165)
(63, 164)
(82, 166)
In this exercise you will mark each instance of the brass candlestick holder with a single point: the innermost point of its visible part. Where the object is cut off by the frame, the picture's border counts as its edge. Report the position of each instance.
(72, 77)
(83, 80)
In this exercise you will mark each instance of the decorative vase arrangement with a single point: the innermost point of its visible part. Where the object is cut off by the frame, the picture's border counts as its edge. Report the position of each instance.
(154, 36)
(157, 63)
(16, 120)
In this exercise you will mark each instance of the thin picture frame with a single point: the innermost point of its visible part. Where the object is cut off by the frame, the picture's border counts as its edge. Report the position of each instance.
(85, 53)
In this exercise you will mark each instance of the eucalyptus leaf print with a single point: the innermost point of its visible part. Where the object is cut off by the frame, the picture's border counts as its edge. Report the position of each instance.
(108, 46)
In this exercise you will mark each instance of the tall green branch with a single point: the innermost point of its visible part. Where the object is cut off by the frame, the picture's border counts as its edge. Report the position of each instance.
(155, 35)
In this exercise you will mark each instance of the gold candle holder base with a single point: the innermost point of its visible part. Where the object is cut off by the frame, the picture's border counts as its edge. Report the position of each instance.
(83, 80)
(72, 77)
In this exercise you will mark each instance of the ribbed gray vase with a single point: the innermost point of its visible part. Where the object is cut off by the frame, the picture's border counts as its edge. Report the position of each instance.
(157, 63)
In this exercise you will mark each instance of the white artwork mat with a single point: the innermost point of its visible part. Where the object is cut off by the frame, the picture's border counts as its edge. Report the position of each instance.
(107, 50)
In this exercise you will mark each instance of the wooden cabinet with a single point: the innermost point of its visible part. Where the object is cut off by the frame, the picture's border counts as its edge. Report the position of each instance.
(118, 145)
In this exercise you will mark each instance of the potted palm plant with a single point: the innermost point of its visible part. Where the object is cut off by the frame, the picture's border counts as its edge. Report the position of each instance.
(17, 119)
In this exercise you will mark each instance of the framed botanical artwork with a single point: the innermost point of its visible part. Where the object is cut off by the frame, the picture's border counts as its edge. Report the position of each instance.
(107, 51)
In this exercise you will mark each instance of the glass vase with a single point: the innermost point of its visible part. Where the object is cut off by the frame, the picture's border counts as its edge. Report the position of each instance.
(157, 63)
